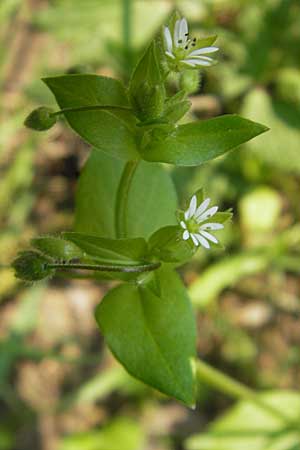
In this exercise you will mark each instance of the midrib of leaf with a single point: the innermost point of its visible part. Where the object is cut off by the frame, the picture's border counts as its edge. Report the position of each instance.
(156, 344)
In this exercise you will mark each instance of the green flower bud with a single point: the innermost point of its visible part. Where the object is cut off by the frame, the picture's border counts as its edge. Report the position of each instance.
(41, 119)
(31, 266)
(57, 248)
(149, 101)
(189, 81)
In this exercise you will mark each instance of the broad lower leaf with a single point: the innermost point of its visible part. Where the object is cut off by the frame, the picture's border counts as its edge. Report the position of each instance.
(195, 143)
(153, 336)
(110, 250)
(249, 427)
(152, 198)
(107, 130)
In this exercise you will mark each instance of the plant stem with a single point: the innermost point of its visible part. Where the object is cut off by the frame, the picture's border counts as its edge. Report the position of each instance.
(224, 383)
(148, 267)
(122, 198)
(90, 108)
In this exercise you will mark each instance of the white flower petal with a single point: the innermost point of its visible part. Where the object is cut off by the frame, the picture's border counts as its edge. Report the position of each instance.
(183, 224)
(170, 54)
(185, 235)
(203, 58)
(209, 213)
(202, 241)
(183, 30)
(203, 51)
(188, 63)
(176, 32)
(202, 207)
(209, 236)
(168, 39)
(212, 226)
(196, 62)
(193, 206)
(195, 240)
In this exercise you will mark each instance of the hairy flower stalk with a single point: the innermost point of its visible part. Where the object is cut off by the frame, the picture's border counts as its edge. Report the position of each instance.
(181, 49)
(195, 224)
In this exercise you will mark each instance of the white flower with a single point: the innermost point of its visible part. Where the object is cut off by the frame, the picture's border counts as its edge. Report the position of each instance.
(180, 47)
(192, 224)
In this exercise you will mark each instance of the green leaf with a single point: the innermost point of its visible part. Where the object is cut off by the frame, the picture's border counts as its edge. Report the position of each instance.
(195, 143)
(145, 334)
(247, 426)
(112, 250)
(152, 198)
(167, 245)
(107, 130)
(56, 247)
(122, 430)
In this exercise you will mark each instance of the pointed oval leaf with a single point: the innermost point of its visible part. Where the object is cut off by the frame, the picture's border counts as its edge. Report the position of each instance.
(107, 130)
(113, 250)
(194, 143)
(145, 334)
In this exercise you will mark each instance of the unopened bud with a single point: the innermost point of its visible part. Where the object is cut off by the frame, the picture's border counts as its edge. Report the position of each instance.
(190, 81)
(41, 119)
(31, 266)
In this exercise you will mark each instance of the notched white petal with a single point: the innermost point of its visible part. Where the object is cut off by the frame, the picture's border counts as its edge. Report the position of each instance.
(185, 235)
(207, 214)
(168, 39)
(183, 30)
(209, 236)
(176, 32)
(194, 238)
(202, 241)
(183, 224)
(202, 207)
(197, 62)
(204, 51)
(212, 226)
(188, 63)
(170, 54)
(193, 206)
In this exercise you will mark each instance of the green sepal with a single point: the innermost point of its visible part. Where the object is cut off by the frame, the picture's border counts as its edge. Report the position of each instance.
(41, 119)
(118, 251)
(32, 266)
(57, 248)
(189, 81)
(153, 336)
(167, 245)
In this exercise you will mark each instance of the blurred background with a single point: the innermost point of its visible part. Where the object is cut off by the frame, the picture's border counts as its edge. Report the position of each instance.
(60, 389)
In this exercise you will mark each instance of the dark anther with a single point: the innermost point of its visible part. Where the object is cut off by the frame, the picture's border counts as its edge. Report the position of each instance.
(186, 47)
(186, 34)
(194, 40)
(193, 44)
(179, 41)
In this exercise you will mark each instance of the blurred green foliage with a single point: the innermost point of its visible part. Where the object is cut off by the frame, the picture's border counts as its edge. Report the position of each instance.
(258, 76)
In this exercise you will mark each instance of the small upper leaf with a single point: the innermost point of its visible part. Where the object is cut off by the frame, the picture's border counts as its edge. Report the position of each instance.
(195, 143)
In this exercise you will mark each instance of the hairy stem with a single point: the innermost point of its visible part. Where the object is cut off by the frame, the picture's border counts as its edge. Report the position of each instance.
(90, 108)
(122, 198)
(224, 383)
(139, 268)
